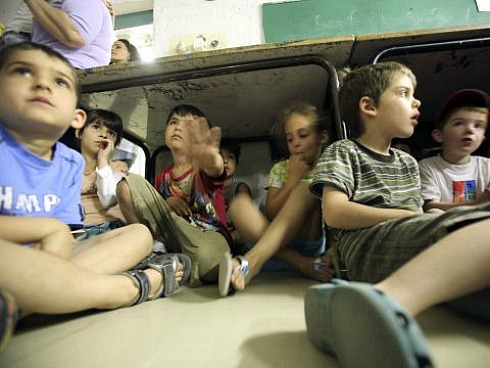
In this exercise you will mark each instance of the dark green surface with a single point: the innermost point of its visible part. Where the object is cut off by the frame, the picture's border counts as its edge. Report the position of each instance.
(133, 20)
(304, 19)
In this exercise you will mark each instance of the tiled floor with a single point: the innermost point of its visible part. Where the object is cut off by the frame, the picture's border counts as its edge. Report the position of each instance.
(261, 327)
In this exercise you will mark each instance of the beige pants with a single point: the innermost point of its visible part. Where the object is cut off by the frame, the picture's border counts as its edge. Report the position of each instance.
(205, 248)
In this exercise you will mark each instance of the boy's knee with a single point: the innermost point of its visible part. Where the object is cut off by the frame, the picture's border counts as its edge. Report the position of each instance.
(208, 258)
(140, 231)
(122, 189)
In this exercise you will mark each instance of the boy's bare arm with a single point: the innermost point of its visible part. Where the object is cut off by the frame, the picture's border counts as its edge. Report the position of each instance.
(205, 147)
(446, 206)
(341, 213)
(48, 234)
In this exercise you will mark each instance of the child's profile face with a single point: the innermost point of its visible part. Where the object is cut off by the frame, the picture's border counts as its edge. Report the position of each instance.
(397, 110)
(302, 137)
(230, 162)
(463, 132)
(38, 95)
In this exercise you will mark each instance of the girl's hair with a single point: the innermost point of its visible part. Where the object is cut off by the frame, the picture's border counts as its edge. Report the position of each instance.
(184, 110)
(108, 118)
(367, 81)
(133, 51)
(230, 145)
(319, 121)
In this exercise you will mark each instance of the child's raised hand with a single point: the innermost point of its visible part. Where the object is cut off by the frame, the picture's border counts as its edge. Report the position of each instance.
(201, 137)
(204, 145)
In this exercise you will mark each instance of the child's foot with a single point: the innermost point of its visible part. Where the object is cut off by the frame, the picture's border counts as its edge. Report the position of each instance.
(318, 268)
(363, 327)
(157, 280)
(234, 274)
(163, 277)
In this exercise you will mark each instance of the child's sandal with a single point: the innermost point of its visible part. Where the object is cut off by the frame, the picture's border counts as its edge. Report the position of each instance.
(168, 265)
(142, 282)
(226, 269)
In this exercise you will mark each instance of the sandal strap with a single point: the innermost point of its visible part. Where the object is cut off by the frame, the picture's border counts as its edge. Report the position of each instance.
(142, 282)
(167, 265)
(244, 268)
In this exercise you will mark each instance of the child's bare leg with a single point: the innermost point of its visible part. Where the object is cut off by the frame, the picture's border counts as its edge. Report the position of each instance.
(281, 231)
(114, 251)
(247, 218)
(456, 265)
(125, 201)
(43, 283)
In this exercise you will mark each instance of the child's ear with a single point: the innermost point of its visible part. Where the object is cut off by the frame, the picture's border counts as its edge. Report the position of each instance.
(79, 119)
(437, 135)
(367, 106)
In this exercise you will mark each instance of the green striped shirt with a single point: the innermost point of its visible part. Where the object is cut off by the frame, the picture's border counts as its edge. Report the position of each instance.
(368, 177)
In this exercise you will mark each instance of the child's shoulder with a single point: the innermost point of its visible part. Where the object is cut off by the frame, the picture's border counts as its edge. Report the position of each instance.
(64, 153)
(344, 145)
(481, 162)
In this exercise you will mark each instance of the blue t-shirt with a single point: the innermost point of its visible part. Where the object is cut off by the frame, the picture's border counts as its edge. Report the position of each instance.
(34, 187)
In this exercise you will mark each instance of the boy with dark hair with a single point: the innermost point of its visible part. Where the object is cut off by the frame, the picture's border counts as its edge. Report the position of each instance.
(455, 177)
(372, 200)
(186, 207)
(230, 150)
(41, 265)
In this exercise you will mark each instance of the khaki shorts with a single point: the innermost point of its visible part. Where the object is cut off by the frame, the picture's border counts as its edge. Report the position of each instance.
(205, 248)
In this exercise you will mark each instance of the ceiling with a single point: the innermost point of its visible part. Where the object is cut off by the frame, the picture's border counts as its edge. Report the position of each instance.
(131, 6)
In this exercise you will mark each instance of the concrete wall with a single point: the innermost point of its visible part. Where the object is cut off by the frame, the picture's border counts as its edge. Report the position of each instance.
(232, 23)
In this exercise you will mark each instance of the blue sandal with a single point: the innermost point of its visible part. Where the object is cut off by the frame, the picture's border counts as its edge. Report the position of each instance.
(363, 327)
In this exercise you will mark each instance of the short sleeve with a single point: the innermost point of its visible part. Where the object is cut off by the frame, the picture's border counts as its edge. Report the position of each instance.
(336, 167)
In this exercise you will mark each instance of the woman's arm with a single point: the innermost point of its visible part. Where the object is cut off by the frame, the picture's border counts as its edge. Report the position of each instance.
(56, 22)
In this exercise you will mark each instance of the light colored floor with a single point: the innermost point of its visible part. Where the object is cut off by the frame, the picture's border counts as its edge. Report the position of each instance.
(261, 327)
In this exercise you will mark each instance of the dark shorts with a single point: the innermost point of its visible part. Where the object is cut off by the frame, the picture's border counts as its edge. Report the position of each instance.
(372, 254)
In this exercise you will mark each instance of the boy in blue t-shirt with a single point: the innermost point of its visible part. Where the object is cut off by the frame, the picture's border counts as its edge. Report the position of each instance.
(40, 196)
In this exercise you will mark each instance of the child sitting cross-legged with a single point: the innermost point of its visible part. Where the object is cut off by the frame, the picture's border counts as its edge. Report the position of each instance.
(39, 91)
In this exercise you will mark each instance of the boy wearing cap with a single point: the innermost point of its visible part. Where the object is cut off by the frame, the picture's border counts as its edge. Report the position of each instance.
(454, 177)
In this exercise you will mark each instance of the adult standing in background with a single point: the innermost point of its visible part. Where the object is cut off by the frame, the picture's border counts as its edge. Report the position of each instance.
(19, 28)
(80, 30)
(123, 51)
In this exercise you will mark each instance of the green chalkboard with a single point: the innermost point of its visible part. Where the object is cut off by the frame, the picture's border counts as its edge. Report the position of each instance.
(304, 19)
